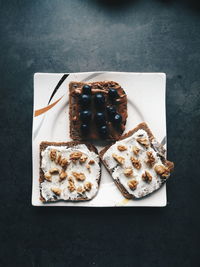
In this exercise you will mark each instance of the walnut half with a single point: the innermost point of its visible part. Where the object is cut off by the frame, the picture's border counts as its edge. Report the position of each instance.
(119, 159)
(121, 148)
(162, 171)
(79, 176)
(150, 159)
(146, 176)
(75, 155)
(136, 150)
(54, 170)
(128, 172)
(71, 186)
(56, 191)
(87, 186)
(136, 163)
(132, 184)
(83, 158)
(63, 175)
(53, 154)
(47, 176)
(143, 141)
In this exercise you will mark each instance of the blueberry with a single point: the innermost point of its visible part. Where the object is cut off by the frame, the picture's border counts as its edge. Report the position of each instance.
(99, 100)
(103, 131)
(85, 115)
(84, 129)
(85, 100)
(112, 93)
(117, 119)
(86, 89)
(100, 118)
(111, 112)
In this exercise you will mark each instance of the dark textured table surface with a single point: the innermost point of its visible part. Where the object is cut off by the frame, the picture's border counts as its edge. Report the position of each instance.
(88, 35)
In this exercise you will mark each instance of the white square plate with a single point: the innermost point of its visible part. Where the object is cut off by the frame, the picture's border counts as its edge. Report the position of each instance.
(146, 102)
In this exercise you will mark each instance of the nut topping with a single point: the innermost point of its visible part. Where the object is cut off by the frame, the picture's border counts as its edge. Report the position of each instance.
(136, 163)
(146, 176)
(150, 159)
(63, 175)
(70, 179)
(136, 150)
(71, 186)
(79, 176)
(162, 170)
(88, 167)
(52, 154)
(143, 141)
(80, 189)
(83, 158)
(64, 162)
(75, 155)
(58, 158)
(121, 148)
(128, 172)
(119, 159)
(47, 176)
(91, 162)
(56, 191)
(87, 186)
(132, 184)
(54, 170)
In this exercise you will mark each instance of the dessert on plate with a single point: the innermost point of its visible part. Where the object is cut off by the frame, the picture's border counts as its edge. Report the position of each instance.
(97, 110)
(137, 163)
(68, 171)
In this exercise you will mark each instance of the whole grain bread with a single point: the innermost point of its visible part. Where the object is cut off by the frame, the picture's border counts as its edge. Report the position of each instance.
(159, 148)
(114, 133)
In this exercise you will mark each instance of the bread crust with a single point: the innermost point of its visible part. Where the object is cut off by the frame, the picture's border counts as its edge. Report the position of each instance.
(114, 133)
(145, 127)
(44, 145)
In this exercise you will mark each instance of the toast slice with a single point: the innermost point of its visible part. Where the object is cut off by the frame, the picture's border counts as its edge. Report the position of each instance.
(69, 171)
(137, 163)
(87, 100)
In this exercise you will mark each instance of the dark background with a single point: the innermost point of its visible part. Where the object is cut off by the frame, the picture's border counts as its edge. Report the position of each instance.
(89, 35)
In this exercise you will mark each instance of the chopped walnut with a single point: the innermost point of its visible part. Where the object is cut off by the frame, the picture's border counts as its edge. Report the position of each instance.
(121, 148)
(79, 176)
(58, 158)
(64, 162)
(88, 167)
(136, 163)
(54, 170)
(136, 150)
(63, 175)
(150, 159)
(143, 141)
(80, 189)
(52, 154)
(128, 172)
(132, 184)
(56, 191)
(47, 176)
(87, 186)
(146, 176)
(162, 170)
(83, 158)
(70, 179)
(71, 186)
(119, 159)
(75, 155)
(91, 162)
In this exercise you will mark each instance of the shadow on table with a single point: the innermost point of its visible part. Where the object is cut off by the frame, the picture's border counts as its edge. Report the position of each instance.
(124, 4)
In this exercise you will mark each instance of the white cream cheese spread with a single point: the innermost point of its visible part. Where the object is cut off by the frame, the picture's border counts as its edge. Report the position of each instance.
(143, 187)
(91, 174)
